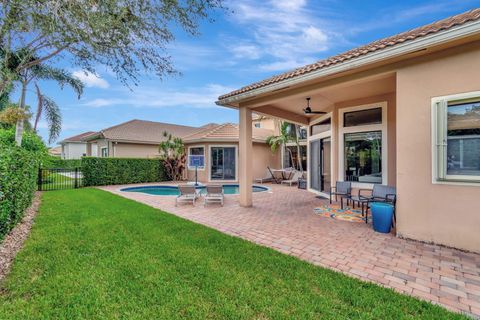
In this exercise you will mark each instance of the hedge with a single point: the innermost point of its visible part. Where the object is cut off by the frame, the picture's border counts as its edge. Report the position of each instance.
(108, 171)
(18, 182)
(54, 162)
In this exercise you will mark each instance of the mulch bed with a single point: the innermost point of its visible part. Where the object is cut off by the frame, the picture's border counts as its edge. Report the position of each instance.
(13, 242)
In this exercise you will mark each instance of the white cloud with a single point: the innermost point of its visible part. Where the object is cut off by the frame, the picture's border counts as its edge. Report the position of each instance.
(246, 51)
(283, 33)
(153, 97)
(90, 79)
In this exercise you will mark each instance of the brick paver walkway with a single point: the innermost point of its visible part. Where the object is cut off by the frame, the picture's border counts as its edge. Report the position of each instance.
(283, 219)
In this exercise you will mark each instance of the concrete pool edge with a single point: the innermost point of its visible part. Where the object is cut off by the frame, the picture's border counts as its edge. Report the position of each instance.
(124, 189)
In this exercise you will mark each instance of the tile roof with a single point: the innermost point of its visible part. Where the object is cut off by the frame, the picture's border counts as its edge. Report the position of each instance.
(225, 132)
(145, 131)
(410, 35)
(79, 137)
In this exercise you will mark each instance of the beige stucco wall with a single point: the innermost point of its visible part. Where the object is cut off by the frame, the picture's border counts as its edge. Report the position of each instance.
(262, 154)
(444, 214)
(133, 150)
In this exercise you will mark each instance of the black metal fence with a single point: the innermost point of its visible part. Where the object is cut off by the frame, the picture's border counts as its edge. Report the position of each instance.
(59, 179)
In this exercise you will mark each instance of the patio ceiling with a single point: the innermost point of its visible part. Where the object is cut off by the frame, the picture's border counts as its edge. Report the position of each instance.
(288, 104)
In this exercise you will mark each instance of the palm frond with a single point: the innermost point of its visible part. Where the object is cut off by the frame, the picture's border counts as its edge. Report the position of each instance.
(53, 117)
(46, 72)
(38, 115)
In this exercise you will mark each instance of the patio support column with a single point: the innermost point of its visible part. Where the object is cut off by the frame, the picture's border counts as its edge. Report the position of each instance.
(245, 157)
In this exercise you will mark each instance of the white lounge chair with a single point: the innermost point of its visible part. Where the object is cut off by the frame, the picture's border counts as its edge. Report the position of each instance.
(214, 194)
(188, 193)
(294, 179)
(267, 177)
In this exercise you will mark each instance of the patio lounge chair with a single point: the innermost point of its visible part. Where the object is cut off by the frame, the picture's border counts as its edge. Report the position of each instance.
(267, 178)
(342, 189)
(188, 193)
(294, 178)
(214, 194)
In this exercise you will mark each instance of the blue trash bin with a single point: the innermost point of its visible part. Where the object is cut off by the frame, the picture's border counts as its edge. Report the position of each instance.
(382, 215)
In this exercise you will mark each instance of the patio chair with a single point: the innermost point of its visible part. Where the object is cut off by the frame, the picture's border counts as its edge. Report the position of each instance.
(294, 179)
(342, 189)
(214, 194)
(379, 193)
(188, 193)
(267, 178)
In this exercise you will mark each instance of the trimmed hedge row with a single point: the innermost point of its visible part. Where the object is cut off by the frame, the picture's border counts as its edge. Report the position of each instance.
(18, 182)
(108, 171)
(54, 162)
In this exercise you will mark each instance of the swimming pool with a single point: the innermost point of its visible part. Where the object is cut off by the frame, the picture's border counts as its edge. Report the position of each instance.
(173, 190)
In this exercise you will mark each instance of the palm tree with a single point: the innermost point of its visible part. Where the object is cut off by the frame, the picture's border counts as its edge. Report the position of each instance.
(286, 135)
(172, 153)
(45, 105)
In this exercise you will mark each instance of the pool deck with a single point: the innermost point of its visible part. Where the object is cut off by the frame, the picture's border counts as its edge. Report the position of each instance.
(283, 219)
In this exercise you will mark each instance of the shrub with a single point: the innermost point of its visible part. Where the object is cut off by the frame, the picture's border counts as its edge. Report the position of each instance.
(18, 177)
(30, 141)
(55, 162)
(107, 171)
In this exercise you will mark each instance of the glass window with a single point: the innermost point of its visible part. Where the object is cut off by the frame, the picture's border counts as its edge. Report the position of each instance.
(463, 139)
(362, 117)
(320, 127)
(196, 157)
(291, 152)
(363, 157)
(257, 125)
(223, 163)
(104, 152)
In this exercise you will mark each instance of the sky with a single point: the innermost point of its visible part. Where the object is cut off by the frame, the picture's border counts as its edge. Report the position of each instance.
(249, 42)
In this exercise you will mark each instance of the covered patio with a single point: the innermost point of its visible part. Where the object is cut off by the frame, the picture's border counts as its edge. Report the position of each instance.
(284, 219)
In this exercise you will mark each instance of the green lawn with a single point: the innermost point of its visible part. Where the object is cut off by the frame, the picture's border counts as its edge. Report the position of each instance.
(94, 255)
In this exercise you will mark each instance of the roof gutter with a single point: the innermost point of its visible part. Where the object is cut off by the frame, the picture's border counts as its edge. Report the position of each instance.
(438, 38)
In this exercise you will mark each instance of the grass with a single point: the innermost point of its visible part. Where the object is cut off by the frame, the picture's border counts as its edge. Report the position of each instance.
(94, 255)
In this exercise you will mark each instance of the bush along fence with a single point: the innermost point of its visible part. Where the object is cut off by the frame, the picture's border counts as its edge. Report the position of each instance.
(56, 163)
(18, 182)
(108, 171)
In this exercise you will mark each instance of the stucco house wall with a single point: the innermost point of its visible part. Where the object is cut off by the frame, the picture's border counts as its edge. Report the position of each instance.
(441, 213)
(263, 158)
(73, 150)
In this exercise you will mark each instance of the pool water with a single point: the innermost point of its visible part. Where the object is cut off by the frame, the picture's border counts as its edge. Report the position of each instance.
(173, 190)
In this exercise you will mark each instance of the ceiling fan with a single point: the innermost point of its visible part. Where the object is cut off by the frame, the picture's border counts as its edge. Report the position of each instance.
(308, 110)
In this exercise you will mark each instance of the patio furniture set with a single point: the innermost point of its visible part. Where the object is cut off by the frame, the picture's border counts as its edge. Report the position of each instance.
(188, 193)
(365, 197)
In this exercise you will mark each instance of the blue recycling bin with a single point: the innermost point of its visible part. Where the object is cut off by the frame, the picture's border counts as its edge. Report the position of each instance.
(382, 216)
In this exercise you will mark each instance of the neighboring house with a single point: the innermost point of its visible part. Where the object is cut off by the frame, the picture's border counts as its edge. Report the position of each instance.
(402, 111)
(133, 139)
(75, 147)
(213, 150)
(55, 151)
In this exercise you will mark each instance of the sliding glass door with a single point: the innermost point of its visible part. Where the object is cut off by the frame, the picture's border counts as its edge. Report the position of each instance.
(320, 165)
(223, 164)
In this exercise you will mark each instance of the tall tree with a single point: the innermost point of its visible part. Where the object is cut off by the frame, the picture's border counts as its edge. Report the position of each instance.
(128, 36)
(45, 105)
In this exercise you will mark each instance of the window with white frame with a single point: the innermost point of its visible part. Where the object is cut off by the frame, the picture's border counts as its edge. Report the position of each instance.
(196, 157)
(104, 152)
(362, 139)
(456, 150)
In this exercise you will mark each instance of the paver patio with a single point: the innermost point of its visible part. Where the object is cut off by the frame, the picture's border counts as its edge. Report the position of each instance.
(283, 219)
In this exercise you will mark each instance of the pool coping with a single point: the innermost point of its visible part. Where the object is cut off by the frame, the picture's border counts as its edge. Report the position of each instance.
(172, 185)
